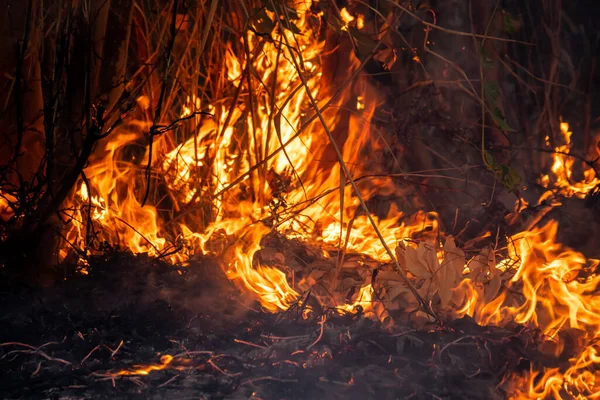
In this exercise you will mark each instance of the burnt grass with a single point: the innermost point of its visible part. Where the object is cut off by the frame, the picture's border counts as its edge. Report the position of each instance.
(64, 342)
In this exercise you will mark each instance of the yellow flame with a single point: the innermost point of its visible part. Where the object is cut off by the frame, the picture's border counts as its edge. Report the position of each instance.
(346, 18)
(229, 189)
(562, 169)
(165, 361)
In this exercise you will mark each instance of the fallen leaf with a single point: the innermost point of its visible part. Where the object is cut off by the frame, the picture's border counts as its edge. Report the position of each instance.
(492, 288)
(414, 263)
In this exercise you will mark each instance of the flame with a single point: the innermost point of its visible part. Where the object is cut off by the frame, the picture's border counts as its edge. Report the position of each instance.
(165, 361)
(562, 169)
(552, 289)
(299, 195)
(346, 18)
(360, 21)
(364, 299)
(6, 210)
(229, 184)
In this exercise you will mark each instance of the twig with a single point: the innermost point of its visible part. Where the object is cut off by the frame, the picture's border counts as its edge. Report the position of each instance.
(309, 120)
(322, 323)
(169, 381)
(39, 366)
(215, 366)
(249, 343)
(89, 354)
(116, 350)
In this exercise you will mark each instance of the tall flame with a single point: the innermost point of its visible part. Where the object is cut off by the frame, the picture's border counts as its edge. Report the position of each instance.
(234, 159)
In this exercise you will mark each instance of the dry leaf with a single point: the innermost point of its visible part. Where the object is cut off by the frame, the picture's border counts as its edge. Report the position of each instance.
(482, 264)
(455, 258)
(394, 290)
(401, 255)
(416, 262)
(493, 287)
(450, 272)
(347, 284)
(387, 57)
(389, 276)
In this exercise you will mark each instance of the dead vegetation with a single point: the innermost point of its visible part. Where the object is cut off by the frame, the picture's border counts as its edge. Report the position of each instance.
(435, 140)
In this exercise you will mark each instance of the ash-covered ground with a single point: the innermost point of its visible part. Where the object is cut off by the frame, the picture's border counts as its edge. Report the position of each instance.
(69, 341)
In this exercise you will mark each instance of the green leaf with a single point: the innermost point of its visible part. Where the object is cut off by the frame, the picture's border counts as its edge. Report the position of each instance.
(511, 25)
(505, 174)
(490, 161)
(487, 61)
(492, 92)
(511, 179)
(500, 120)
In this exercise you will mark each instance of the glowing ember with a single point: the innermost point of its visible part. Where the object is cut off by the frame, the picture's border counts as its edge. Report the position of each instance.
(165, 361)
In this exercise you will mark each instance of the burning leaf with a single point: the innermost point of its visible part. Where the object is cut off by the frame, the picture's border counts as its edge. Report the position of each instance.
(387, 57)
(262, 23)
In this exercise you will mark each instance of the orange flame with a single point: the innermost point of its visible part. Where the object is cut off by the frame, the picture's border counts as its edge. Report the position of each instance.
(562, 169)
(260, 164)
(165, 361)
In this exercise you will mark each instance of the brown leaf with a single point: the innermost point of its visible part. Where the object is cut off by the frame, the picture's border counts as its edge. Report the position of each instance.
(401, 255)
(389, 276)
(450, 272)
(493, 287)
(387, 57)
(481, 264)
(415, 262)
(454, 257)
(394, 290)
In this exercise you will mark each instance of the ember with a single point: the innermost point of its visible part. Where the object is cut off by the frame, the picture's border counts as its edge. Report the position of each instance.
(249, 202)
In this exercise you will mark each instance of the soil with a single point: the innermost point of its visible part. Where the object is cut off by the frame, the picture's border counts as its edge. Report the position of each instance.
(67, 341)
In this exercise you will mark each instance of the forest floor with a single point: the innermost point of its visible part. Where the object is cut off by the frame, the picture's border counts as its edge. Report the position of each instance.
(71, 340)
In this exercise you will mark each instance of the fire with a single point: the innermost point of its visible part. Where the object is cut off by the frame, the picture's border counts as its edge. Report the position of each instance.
(364, 299)
(6, 210)
(261, 164)
(553, 288)
(346, 18)
(256, 160)
(165, 362)
(562, 169)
